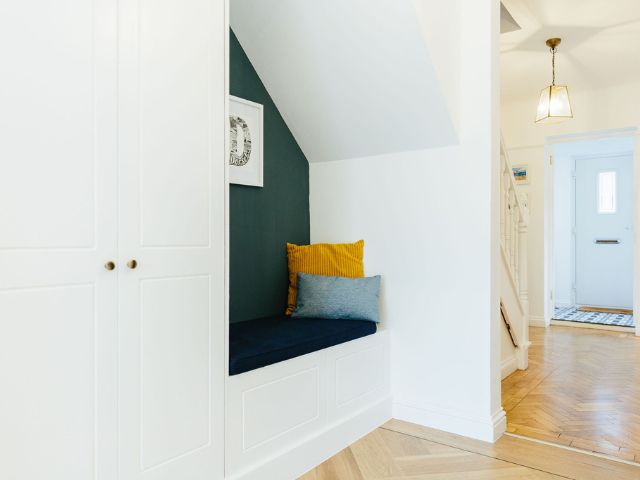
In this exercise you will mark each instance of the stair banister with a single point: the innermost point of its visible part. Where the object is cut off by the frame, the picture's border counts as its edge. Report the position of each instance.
(514, 220)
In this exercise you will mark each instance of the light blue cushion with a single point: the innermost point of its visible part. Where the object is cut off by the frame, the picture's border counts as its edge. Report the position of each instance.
(320, 296)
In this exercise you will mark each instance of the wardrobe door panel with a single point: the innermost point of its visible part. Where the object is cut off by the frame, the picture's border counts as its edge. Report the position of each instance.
(58, 228)
(47, 125)
(175, 68)
(172, 204)
(175, 373)
(48, 382)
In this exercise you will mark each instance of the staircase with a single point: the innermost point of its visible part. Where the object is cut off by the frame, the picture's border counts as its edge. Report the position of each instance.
(514, 302)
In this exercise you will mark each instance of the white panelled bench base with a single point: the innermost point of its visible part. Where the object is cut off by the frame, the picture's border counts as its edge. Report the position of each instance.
(286, 418)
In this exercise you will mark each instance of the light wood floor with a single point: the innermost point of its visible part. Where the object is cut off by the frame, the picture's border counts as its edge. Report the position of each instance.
(582, 389)
(400, 450)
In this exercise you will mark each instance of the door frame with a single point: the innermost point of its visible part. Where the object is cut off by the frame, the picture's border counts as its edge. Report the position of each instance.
(549, 261)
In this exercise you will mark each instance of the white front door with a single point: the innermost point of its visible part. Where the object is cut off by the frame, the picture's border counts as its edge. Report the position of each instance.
(58, 228)
(172, 129)
(604, 231)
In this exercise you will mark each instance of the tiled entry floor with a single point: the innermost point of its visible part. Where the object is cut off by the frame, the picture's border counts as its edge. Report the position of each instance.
(571, 314)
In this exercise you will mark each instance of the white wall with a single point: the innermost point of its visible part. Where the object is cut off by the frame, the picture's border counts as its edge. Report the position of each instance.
(430, 222)
(508, 359)
(594, 110)
(436, 23)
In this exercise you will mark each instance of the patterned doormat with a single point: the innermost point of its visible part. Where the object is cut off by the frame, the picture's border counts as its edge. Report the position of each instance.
(571, 314)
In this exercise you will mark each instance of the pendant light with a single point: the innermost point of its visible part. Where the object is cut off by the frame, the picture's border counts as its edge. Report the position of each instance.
(554, 105)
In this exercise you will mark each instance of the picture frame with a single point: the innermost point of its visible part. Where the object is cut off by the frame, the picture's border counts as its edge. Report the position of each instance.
(521, 174)
(246, 162)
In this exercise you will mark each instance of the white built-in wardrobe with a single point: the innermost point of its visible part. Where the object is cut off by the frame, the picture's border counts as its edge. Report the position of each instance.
(112, 206)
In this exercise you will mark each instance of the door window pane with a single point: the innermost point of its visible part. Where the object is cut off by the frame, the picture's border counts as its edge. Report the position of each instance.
(607, 192)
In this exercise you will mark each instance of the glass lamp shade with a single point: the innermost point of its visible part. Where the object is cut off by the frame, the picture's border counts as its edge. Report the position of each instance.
(554, 105)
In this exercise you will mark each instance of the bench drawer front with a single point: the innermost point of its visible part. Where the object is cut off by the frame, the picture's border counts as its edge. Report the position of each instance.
(361, 372)
(274, 409)
(273, 406)
(278, 407)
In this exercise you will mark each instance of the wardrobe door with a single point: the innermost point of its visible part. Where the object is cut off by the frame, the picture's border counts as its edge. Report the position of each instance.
(58, 187)
(172, 197)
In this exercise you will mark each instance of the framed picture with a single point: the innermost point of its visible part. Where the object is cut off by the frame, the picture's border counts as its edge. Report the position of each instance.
(245, 142)
(520, 174)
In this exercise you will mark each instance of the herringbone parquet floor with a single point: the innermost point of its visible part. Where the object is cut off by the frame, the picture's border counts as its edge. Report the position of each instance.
(384, 454)
(582, 389)
(404, 451)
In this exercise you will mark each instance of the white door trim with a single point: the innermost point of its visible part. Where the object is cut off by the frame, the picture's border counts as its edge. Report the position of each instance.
(549, 263)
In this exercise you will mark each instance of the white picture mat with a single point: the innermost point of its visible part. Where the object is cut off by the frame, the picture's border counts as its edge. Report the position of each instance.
(252, 113)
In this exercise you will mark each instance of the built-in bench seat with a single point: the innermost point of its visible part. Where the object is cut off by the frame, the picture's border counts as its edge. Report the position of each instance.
(320, 389)
(265, 341)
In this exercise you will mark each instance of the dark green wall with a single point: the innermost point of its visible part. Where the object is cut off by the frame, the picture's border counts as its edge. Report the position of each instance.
(263, 220)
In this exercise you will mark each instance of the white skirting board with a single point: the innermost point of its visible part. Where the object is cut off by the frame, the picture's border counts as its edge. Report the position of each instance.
(286, 418)
(487, 428)
(508, 366)
(537, 321)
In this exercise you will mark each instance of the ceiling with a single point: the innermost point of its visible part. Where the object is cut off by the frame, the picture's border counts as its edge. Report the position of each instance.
(600, 45)
(507, 22)
(351, 79)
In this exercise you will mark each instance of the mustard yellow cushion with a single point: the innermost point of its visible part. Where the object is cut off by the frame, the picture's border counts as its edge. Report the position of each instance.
(332, 259)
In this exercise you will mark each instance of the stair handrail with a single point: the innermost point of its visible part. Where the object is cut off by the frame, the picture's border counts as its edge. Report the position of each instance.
(507, 322)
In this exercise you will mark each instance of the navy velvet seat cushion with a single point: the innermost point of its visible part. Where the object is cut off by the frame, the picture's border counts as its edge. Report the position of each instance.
(264, 341)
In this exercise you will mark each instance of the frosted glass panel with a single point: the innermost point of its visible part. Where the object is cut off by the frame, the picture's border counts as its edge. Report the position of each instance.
(607, 192)
(554, 105)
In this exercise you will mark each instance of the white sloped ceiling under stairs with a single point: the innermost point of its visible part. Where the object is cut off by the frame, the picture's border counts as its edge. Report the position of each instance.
(351, 78)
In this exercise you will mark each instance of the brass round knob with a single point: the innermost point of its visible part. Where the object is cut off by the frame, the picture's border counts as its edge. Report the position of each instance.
(110, 266)
(132, 263)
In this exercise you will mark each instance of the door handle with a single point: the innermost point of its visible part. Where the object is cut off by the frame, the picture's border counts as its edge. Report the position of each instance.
(132, 264)
(110, 266)
(609, 241)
